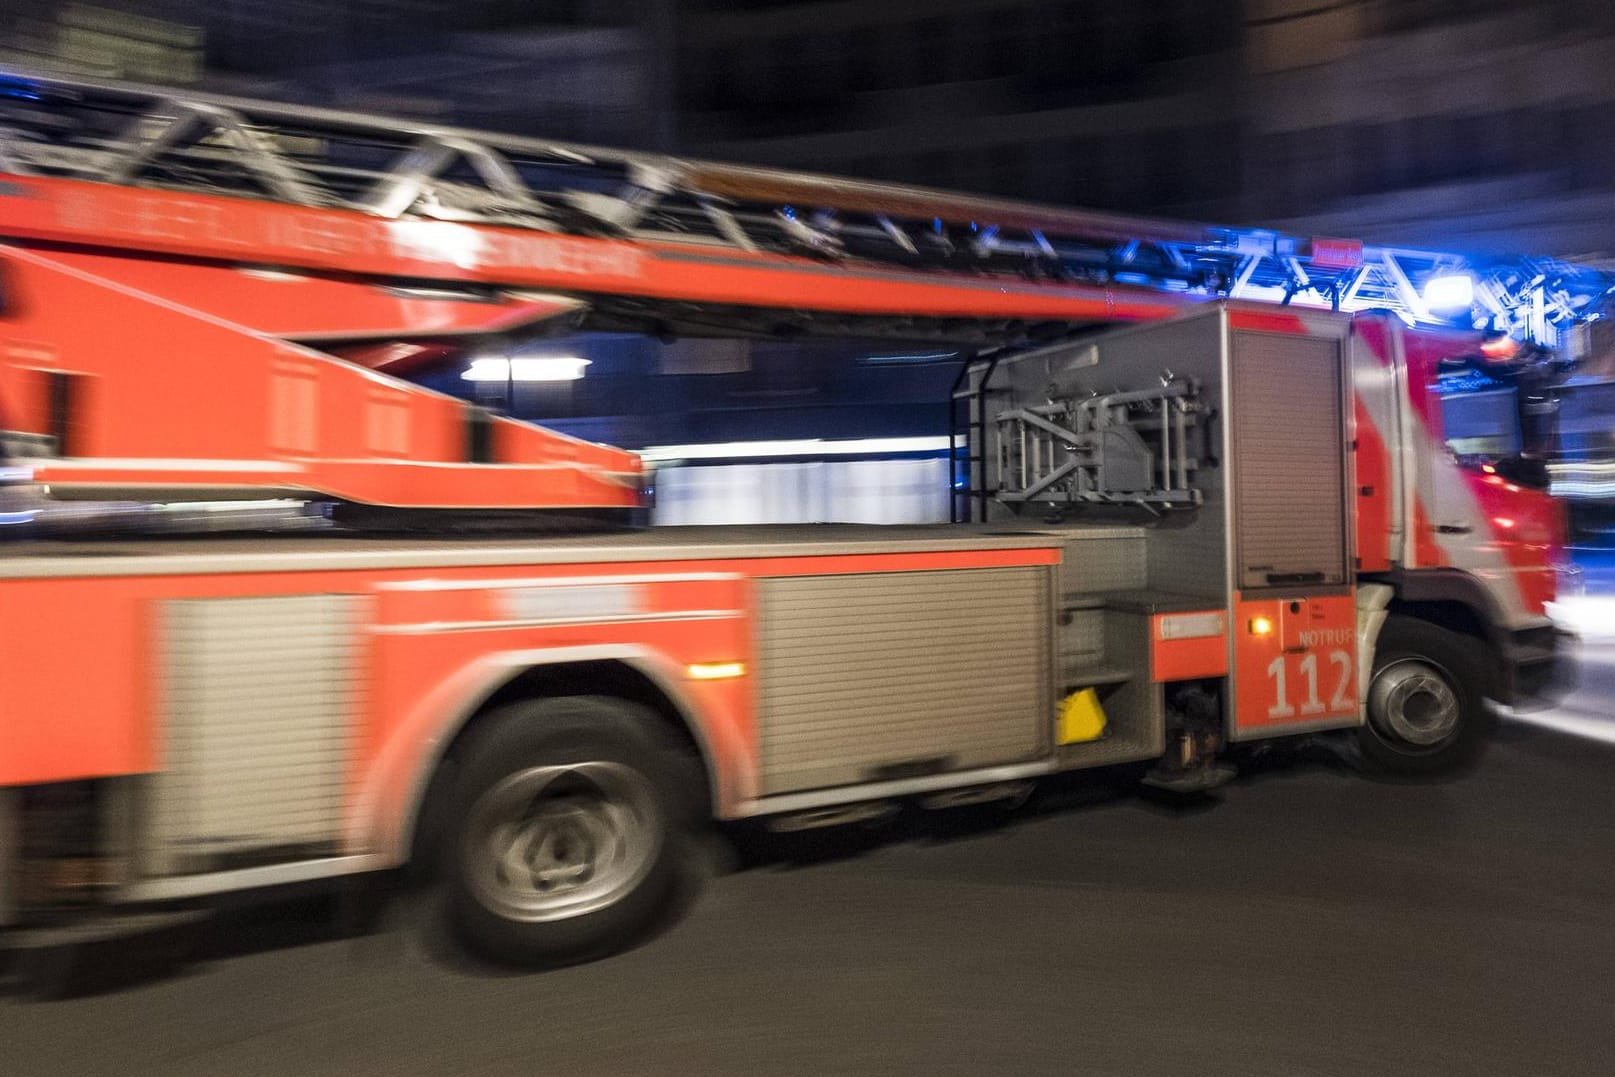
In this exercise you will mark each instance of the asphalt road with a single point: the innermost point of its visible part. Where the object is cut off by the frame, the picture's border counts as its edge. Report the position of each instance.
(1309, 922)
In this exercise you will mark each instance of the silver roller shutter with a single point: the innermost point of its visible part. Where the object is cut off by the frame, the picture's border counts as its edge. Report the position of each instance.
(864, 675)
(260, 699)
(1288, 440)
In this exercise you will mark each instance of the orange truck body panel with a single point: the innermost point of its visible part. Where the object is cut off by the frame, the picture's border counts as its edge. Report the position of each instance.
(149, 412)
(1200, 653)
(83, 698)
(305, 308)
(1302, 670)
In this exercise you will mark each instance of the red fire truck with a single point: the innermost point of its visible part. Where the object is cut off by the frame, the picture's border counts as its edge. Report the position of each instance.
(1221, 523)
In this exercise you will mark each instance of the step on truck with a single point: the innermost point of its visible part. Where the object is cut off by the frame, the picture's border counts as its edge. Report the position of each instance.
(1226, 523)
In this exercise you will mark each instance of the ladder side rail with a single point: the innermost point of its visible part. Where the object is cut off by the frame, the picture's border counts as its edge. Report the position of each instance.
(983, 483)
(305, 121)
(170, 121)
(525, 180)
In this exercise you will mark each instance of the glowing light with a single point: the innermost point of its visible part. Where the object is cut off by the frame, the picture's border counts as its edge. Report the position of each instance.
(1567, 720)
(1505, 522)
(1449, 292)
(1261, 626)
(715, 671)
(1489, 469)
(545, 368)
(1501, 348)
(764, 450)
(437, 241)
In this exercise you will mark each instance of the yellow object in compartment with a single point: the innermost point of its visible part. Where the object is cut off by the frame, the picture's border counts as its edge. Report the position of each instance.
(1081, 718)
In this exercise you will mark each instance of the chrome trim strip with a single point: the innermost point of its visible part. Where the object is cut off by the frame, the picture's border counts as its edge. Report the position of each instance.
(552, 581)
(851, 794)
(104, 463)
(22, 565)
(426, 627)
(282, 467)
(218, 882)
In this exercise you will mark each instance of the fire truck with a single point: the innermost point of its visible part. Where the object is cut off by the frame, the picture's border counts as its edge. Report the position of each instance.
(1187, 523)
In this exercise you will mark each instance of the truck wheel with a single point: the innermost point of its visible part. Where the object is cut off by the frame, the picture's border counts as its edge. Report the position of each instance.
(1426, 714)
(565, 831)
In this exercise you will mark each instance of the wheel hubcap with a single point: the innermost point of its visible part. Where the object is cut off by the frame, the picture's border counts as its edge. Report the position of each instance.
(1414, 703)
(547, 843)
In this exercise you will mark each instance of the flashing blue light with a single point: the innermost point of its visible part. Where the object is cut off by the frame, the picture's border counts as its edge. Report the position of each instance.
(20, 89)
(936, 225)
(790, 212)
(1449, 292)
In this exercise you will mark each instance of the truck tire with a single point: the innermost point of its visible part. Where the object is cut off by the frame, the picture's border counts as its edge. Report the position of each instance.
(565, 833)
(1426, 714)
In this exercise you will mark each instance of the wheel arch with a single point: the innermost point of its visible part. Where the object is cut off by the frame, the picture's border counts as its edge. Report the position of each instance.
(1458, 602)
(1446, 731)
(632, 674)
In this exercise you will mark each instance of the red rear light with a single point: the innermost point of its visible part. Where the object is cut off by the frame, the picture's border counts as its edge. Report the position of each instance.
(1501, 349)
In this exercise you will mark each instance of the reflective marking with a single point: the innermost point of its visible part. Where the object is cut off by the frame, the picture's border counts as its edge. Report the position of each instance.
(574, 602)
(99, 463)
(153, 559)
(477, 585)
(426, 627)
(715, 671)
(1191, 625)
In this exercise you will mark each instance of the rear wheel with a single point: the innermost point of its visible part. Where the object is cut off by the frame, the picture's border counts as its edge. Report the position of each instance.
(565, 832)
(1426, 713)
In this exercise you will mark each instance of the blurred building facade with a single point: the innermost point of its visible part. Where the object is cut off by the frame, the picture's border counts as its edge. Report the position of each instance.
(1432, 122)
(1480, 123)
(1086, 102)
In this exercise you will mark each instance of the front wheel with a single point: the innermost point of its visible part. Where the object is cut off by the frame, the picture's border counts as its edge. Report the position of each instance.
(565, 832)
(1426, 713)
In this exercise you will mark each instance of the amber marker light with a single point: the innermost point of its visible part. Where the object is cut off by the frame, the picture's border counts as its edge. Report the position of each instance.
(715, 671)
(1261, 626)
